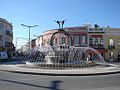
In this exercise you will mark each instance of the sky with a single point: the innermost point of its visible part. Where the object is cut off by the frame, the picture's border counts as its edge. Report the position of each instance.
(44, 13)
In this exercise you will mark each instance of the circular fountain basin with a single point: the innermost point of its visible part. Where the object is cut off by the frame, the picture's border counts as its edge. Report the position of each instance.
(61, 65)
(57, 58)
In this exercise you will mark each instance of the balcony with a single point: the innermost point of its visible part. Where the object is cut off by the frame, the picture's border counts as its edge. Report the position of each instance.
(83, 45)
(101, 30)
(80, 45)
(99, 46)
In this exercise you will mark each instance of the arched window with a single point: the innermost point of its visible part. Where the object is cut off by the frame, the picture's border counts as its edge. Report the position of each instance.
(63, 41)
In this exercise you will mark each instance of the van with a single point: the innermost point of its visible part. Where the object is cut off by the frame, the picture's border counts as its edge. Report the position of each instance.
(3, 55)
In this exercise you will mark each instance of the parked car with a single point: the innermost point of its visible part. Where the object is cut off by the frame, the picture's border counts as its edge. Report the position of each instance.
(3, 55)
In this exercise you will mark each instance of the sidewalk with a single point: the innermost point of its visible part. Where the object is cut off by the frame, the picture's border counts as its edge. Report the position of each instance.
(21, 68)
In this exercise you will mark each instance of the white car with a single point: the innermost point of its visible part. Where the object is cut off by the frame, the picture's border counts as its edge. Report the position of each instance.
(3, 55)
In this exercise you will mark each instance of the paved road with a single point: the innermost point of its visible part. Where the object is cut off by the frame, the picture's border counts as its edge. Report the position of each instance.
(14, 81)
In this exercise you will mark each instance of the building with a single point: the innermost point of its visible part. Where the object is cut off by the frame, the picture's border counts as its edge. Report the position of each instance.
(33, 43)
(6, 36)
(96, 38)
(105, 40)
(39, 40)
(46, 37)
(78, 34)
(112, 44)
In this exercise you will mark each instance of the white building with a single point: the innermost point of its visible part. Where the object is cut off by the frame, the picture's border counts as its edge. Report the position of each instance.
(39, 40)
(6, 35)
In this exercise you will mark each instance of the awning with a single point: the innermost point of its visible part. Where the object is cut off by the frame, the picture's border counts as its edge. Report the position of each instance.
(102, 51)
(97, 36)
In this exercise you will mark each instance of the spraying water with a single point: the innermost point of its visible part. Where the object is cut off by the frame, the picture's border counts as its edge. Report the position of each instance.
(63, 57)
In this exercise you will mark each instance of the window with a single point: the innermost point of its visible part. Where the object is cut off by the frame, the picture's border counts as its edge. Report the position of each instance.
(91, 41)
(1, 26)
(76, 39)
(63, 40)
(96, 41)
(110, 41)
(83, 39)
(101, 41)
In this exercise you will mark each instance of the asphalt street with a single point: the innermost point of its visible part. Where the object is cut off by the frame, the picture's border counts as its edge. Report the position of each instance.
(15, 81)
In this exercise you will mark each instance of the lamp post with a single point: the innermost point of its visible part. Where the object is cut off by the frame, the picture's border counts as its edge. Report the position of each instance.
(29, 32)
(60, 23)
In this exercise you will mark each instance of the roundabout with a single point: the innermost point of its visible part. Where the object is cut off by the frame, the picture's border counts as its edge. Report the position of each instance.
(92, 71)
(62, 60)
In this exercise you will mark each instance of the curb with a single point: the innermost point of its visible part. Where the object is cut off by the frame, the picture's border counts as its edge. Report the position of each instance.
(58, 74)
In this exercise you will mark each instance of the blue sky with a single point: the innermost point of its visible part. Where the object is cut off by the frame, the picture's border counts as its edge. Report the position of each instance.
(45, 12)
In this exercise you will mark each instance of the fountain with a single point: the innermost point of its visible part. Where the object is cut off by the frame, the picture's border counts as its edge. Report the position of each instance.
(63, 56)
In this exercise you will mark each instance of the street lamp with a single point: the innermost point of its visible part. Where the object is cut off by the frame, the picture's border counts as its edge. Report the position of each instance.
(29, 32)
(60, 23)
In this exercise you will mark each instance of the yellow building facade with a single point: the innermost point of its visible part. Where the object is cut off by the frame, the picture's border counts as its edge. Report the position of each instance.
(112, 44)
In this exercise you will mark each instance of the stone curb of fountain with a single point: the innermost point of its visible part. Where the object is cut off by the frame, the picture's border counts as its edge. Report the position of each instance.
(16, 69)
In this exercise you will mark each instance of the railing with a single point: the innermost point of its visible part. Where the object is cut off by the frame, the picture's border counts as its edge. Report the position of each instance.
(99, 46)
(81, 45)
(96, 30)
